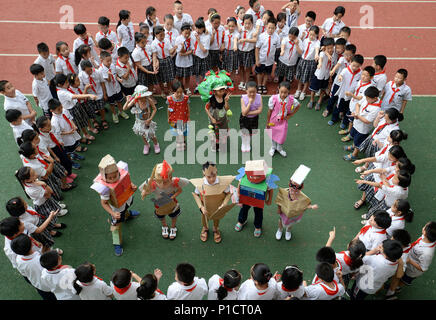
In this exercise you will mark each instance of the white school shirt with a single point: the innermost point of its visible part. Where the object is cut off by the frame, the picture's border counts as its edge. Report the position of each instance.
(316, 279)
(343, 258)
(111, 84)
(229, 39)
(348, 83)
(323, 73)
(97, 289)
(159, 295)
(59, 125)
(372, 237)
(303, 31)
(188, 44)
(38, 164)
(383, 130)
(30, 216)
(214, 283)
(217, 38)
(255, 15)
(12, 256)
(320, 291)
(309, 48)
(48, 65)
(30, 267)
(66, 97)
(129, 294)
(291, 55)
(36, 193)
(121, 70)
(422, 253)
(162, 49)
(398, 223)
(292, 18)
(359, 90)
(394, 96)
(17, 131)
(196, 291)
(46, 140)
(171, 35)
(41, 90)
(267, 45)
(19, 102)
(332, 27)
(261, 25)
(283, 293)
(186, 18)
(126, 35)
(217, 180)
(379, 80)
(391, 193)
(343, 63)
(143, 55)
(247, 34)
(95, 80)
(111, 35)
(248, 291)
(60, 282)
(284, 32)
(205, 41)
(78, 42)
(150, 26)
(381, 270)
(62, 66)
(368, 111)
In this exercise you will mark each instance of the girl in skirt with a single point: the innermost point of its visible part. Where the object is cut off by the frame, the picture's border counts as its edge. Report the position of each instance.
(142, 57)
(216, 32)
(162, 61)
(282, 31)
(184, 60)
(289, 53)
(251, 107)
(201, 51)
(307, 65)
(240, 13)
(144, 110)
(246, 44)
(384, 123)
(230, 46)
(179, 113)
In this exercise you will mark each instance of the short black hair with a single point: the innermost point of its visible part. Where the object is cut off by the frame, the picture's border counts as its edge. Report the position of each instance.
(392, 249)
(294, 31)
(402, 236)
(42, 47)
(339, 9)
(176, 85)
(143, 26)
(28, 135)
(185, 273)
(21, 245)
(123, 51)
(185, 26)
(345, 29)
(49, 260)
(36, 69)
(281, 16)
(430, 230)
(104, 54)
(207, 164)
(85, 64)
(351, 47)
(404, 178)
(12, 115)
(9, 226)
(121, 278)
(15, 207)
(272, 20)
(139, 36)
(403, 72)
(370, 70)
(326, 254)
(104, 21)
(311, 14)
(380, 60)
(247, 17)
(358, 58)
(292, 278)
(314, 29)
(261, 273)
(53, 104)
(158, 30)
(79, 29)
(383, 219)
(372, 92)
(41, 122)
(340, 42)
(104, 44)
(3, 84)
(328, 42)
(325, 271)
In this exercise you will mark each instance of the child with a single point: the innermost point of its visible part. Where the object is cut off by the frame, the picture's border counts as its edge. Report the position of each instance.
(58, 277)
(266, 47)
(327, 288)
(262, 23)
(88, 286)
(125, 72)
(40, 88)
(18, 125)
(282, 31)
(142, 57)
(28, 265)
(14, 99)
(400, 213)
(292, 10)
(225, 288)
(184, 60)
(344, 33)
(84, 53)
(246, 47)
(292, 203)
(216, 32)
(364, 114)
(162, 61)
(381, 266)
(179, 113)
(187, 285)
(46, 60)
(123, 286)
(230, 46)
(85, 38)
(201, 51)
(281, 107)
(307, 66)
(181, 17)
(171, 33)
(309, 21)
(291, 284)
(251, 107)
(151, 19)
(320, 79)
(65, 62)
(397, 93)
(289, 53)
(374, 233)
(240, 13)
(115, 175)
(332, 26)
(260, 286)
(380, 79)
(144, 110)
(327, 255)
(125, 31)
(256, 10)
(105, 32)
(347, 81)
(145, 30)
(148, 289)
(107, 46)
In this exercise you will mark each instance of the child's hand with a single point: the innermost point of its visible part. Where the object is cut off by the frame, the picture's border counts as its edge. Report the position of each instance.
(92, 97)
(53, 214)
(316, 57)
(116, 215)
(357, 162)
(339, 78)
(314, 207)
(331, 73)
(147, 122)
(203, 210)
(134, 187)
(332, 234)
(277, 276)
(157, 274)
(358, 181)
(88, 86)
(348, 93)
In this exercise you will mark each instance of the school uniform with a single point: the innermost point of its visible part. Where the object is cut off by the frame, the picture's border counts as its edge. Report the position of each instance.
(343, 63)
(32, 220)
(62, 123)
(320, 291)
(283, 34)
(110, 35)
(283, 293)
(291, 18)
(267, 45)
(184, 64)
(97, 289)
(11, 255)
(126, 35)
(386, 196)
(256, 15)
(171, 35)
(186, 18)
(422, 253)
(196, 291)
(303, 31)
(398, 223)
(214, 49)
(379, 80)
(201, 60)
(159, 295)
(360, 130)
(248, 291)
(89, 42)
(19, 102)
(230, 55)
(66, 65)
(52, 142)
(127, 85)
(307, 65)
(380, 133)
(41, 90)
(320, 79)
(332, 27)
(287, 63)
(17, 131)
(394, 96)
(260, 26)
(74, 108)
(95, 81)
(214, 283)
(48, 65)
(60, 281)
(343, 258)
(113, 87)
(145, 57)
(359, 91)
(246, 50)
(166, 72)
(127, 293)
(372, 237)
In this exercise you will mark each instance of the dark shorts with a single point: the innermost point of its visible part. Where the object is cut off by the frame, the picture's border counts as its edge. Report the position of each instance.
(172, 215)
(127, 91)
(263, 69)
(316, 84)
(407, 280)
(358, 137)
(117, 97)
(72, 148)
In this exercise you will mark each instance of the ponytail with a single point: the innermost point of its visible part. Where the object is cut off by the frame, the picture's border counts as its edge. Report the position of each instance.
(405, 164)
(221, 292)
(77, 287)
(397, 136)
(357, 251)
(404, 207)
(23, 174)
(84, 273)
(231, 279)
(123, 14)
(26, 149)
(80, 51)
(261, 273)
(147, 288)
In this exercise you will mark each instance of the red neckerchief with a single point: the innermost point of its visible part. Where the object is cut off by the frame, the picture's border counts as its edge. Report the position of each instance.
(379, 128)
(146, 55)
(45, 164)
(347, 258)
(53, 138)
(105, 34)
(67, 120)
(353, 73)
(361, 85)
(72, 91)
(112, 79)
(162, 46)
(187, 44)
(92, 82)
(125, 67)
(245, 37)
(394, 91)
(381, 72)
(67, 62)
(389, 177)
(61, 266)
(257, 14)
(329, 291)
(283, 104)
(192, 289)
(171, 36)
(269, 46)
(364, 229)
(230, 41)
(34, 213)
(334, 23)
(376, 104)
(122, 290)
(384, 149)
(292, 43)
(307, 49)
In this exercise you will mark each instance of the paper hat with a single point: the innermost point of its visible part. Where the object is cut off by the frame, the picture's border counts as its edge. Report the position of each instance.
(162, 171)
(256, 167)
(107, 165)
(210, 170)
(300, 174)
(141, 91)
(214, 81)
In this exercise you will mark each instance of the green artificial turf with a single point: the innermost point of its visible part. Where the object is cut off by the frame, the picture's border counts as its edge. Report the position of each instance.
(330, 184)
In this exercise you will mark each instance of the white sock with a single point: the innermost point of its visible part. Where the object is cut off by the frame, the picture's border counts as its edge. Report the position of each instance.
(279, 147)
(390, 292)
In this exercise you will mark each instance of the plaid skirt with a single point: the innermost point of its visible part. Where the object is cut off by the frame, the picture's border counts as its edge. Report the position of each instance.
(283, 70)
(166, 70)
(89, 109)
(54, 183)
(248, 123)
(184, 72)
(79, 115)
(58, 170)
(44, 237)
(380, 205)
(48, 206)
(368, 148)
(230, 60)
(246, 58)
(214, 58)
(97, 104)
(201, 66)
(147, 79)
(305, 70)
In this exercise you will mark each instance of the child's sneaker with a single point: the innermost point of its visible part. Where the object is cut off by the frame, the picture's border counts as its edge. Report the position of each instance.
(302, 96)
(156, 149)
(282, 153)
(279, 234)
(173, 233)
(62, 212)
(124, 115)
(342, 132)
(133, 214)
(297, 94)
(62, 205)
(330, 123)
(72, 176)
(76, 156)
(272, 151)
(69, 180)
(115, 118)
(146, 149)
(75, 165)
(342, 126)
(118, 250)
(317, 107)
(288, 235)
(241, 86)
(165, 232)
(310, 105)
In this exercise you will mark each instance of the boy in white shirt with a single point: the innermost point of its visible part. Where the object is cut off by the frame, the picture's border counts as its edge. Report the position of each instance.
(40, 88)
(85, 38)
(326, 288)
(14, 99)
(332, 26)
(47, 61)
(397, 93)
(123, 286)
(292, 10)
(380, 77)
(187, 285)
(289, 52)
(374, 232)
(125, 72)
(88, 286)
(291, 284)
(184, 58)
(309, 21)
(17, 124)
(256, 10)
(180, 17)
(105, 32)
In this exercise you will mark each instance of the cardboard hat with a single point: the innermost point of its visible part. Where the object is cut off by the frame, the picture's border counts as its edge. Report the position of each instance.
(162, 171)
(107, 165)
(300, 174)
(256, 167)
(210, 170)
